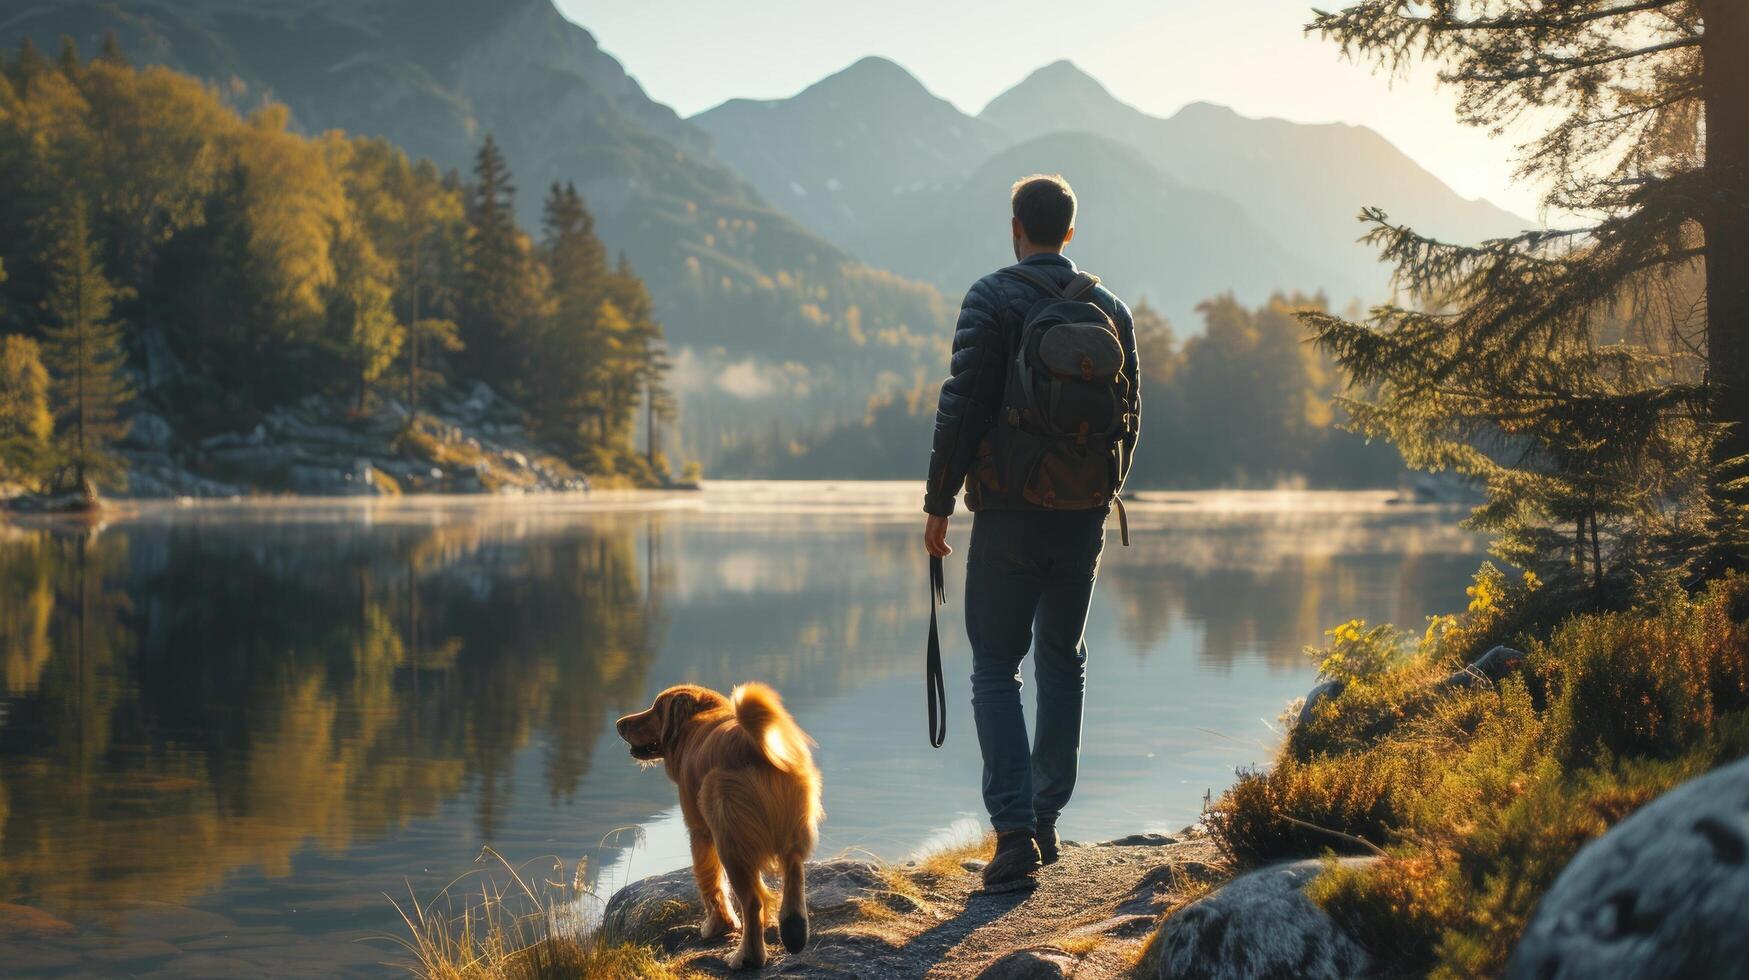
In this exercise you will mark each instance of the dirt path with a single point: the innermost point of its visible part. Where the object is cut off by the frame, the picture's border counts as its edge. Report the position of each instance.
(1089, 918)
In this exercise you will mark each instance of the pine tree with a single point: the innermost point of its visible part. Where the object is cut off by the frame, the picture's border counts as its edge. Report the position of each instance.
(84, 354)
(569, 377)
(30, 65)
(500, 296)
(68, 60)
(660, 407)
(111, 52)
(1565, 369)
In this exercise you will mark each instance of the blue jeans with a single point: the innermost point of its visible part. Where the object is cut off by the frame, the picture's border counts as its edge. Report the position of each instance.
(1029, 580)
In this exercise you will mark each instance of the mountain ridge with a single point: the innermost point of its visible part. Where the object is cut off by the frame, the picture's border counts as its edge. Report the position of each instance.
(1290, 179)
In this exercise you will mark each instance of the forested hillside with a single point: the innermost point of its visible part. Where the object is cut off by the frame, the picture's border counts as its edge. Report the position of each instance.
(767, 319)
(171, 260)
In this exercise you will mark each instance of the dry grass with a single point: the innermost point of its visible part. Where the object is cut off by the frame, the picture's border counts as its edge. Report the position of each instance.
(521, 932)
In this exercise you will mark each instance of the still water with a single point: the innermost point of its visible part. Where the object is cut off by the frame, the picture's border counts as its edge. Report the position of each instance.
(228, 731)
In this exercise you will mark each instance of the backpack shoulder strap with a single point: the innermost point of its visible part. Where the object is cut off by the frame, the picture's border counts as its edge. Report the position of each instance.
(1077, 287)
(1035, 277)
(1080, 286)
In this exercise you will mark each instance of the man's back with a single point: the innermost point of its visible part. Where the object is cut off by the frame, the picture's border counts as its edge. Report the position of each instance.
(1046, 385)
(986, 338)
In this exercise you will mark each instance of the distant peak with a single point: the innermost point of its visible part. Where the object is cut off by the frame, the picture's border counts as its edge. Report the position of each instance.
(1062, 72)
(872, 70)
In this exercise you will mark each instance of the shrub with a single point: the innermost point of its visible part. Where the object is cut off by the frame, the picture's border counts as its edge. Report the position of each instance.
(1479, 797)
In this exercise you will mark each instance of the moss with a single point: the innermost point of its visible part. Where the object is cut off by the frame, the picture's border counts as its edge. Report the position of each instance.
(1478, 798)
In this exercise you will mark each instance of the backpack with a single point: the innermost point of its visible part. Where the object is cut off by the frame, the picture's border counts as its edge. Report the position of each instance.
(1058, 438)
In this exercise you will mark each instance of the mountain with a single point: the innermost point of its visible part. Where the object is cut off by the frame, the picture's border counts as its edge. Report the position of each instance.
(761, 305)
(1305, 183)
(836, 155)
(873, 161)
(1145, 233)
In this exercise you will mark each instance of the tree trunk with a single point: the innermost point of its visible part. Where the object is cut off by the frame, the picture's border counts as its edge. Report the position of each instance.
(413, 342)
(1725, 89)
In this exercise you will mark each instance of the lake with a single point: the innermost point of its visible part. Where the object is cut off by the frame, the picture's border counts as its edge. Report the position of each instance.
(229, 731)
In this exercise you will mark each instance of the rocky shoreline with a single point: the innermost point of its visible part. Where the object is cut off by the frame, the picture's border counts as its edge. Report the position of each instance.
(1661, 895)
(1093, 914)
(469, 441)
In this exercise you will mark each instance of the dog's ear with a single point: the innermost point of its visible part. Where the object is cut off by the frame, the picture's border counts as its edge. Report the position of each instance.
(677, 709)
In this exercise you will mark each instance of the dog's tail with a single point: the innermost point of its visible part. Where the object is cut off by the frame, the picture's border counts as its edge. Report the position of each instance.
(760, 713)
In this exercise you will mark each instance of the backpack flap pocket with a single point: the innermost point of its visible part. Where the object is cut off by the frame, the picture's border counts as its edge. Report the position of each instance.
(1087, 352)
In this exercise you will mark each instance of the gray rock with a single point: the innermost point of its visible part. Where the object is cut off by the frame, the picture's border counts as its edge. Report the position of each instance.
(1260, 925)
(231, 440)
(1037, 963)
(1665, 893)
(1138, 840)
(149, 431)
(258, 457)
(665, 910)
(1316, 696)
(1485, 671)
(333, 481)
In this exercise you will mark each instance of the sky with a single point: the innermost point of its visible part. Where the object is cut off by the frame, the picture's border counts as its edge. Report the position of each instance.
(1156, 55)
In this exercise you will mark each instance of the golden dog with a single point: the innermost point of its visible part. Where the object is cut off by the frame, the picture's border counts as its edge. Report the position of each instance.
(750, 796)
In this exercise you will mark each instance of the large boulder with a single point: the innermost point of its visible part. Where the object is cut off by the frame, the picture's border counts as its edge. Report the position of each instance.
(1665, 893)
(665, 910)
(1260, 925)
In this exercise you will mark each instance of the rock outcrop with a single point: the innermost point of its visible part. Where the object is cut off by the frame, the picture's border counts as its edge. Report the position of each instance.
(1664, 894)
(465, 441)
(664, 910)
(1260, 925)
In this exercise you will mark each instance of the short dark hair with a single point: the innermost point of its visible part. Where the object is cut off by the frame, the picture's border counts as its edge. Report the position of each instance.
(1045, 205)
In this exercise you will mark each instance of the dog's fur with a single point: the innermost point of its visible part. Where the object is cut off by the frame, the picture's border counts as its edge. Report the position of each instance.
(750, 796)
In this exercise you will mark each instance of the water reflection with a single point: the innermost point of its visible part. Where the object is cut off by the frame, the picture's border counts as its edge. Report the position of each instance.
(183, 701)
(226, 731)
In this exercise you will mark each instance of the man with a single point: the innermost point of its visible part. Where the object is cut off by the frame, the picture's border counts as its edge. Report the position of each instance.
(1029, 577)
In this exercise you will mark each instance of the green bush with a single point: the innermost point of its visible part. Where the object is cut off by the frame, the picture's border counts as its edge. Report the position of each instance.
(1478, 798)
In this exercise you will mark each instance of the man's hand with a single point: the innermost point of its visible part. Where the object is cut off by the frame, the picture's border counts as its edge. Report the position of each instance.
(935, 537)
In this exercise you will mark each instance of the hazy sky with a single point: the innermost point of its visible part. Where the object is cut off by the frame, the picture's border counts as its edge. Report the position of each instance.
(1154, 54)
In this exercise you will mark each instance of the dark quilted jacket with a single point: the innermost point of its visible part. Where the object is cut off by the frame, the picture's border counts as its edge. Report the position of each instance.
(988, 329)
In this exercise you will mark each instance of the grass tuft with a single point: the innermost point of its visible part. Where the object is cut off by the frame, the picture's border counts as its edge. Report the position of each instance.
(524, 932)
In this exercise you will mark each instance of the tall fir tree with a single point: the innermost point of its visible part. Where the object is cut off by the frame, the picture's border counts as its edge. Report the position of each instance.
(1567, 370)
(500, 296)
(28, 66)
(569, 377)
(68, 59)
(84, 354)
(111, 53)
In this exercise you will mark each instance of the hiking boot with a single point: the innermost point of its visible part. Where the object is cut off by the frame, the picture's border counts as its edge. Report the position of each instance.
(1015, 864)
(1047, 843)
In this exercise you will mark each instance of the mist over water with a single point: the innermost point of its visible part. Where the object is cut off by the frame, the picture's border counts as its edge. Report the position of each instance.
(226, 731)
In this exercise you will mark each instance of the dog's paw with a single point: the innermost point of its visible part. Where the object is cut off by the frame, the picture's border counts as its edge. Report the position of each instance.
(715, 925)
(745, 959)
(794, 929)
